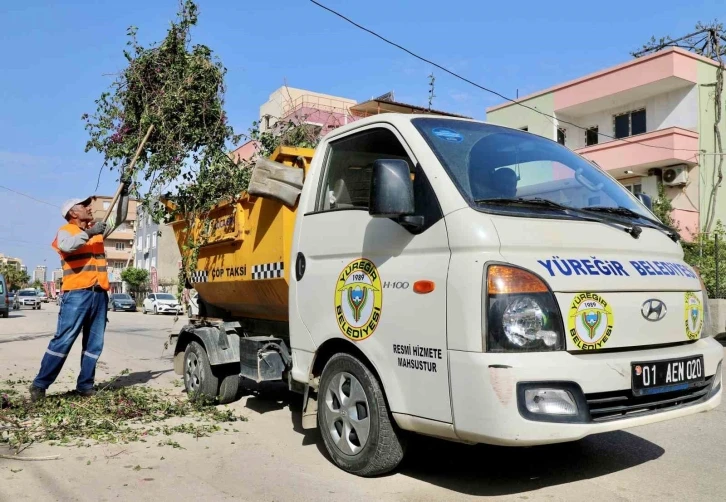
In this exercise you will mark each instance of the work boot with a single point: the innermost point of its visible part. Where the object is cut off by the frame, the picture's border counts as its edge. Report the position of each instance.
(36, 393)
(86, 393)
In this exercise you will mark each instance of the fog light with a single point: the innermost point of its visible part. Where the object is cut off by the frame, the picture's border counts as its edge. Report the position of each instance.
(716, 384)
(550, 402)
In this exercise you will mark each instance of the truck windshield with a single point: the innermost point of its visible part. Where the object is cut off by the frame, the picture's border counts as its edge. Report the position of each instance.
(491, 165)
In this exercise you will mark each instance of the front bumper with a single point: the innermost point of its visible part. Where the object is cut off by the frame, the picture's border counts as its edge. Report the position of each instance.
(168, 309)
(485, 401)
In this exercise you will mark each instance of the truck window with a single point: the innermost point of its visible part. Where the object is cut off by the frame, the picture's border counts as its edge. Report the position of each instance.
(347, 179)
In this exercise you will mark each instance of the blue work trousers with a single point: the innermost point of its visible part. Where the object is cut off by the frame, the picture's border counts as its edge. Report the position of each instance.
(81, 310)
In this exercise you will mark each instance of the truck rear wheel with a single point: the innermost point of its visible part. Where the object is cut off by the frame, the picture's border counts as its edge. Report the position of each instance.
(354, 419)
(207, 382)
(199, 380)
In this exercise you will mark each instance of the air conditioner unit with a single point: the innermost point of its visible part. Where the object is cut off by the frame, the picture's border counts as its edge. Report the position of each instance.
(675, 176)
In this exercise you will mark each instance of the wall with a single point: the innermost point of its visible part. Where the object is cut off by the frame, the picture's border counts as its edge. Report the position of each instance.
(284, 97)
(676, 108)
(709, 163)
(518, 117)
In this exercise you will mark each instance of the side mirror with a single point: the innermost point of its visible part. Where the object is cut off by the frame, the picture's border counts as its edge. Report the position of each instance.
(646, 200)
(391, 193)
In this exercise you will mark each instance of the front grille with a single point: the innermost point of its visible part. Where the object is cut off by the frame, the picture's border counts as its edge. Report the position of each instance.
(607, 406)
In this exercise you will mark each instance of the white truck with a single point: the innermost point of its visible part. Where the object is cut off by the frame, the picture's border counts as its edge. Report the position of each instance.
(450, 278)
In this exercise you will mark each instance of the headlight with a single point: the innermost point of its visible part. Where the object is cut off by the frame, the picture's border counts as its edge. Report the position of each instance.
(522, 313)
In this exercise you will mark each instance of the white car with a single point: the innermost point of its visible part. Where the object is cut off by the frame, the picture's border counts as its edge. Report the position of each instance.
(161, 303)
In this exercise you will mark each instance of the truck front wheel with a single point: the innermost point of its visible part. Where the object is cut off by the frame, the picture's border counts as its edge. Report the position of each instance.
(354, 419)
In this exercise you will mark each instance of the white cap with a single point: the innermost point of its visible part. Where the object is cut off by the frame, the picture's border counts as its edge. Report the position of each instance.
(67, 205)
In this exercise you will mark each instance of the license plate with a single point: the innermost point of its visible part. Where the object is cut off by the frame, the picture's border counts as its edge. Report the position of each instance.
(656, 377)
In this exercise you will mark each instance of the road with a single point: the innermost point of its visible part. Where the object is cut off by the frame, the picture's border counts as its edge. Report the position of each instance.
(273, 459)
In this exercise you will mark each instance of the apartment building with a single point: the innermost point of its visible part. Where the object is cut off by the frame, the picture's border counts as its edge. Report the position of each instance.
(119, 245)
(9, 260)
(646, 121)
(40, 273)
(156, 249)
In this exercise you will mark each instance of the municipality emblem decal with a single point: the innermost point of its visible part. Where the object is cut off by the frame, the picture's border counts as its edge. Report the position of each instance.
(358, 299)
(590, 321)
(693, 316)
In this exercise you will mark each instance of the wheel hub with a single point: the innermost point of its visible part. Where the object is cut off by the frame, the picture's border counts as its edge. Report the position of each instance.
(346, 413)
(193, 372)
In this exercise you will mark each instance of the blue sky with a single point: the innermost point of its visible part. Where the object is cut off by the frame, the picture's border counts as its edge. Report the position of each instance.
(57, 57)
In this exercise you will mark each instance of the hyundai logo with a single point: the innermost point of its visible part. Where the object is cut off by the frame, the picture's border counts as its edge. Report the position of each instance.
(653, 310)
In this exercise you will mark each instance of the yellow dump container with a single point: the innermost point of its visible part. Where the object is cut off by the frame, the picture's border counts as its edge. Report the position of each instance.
(244, 267)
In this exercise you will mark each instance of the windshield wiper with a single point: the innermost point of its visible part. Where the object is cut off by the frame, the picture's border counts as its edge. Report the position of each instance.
(624, 211)
(633, 230)
(535, 201)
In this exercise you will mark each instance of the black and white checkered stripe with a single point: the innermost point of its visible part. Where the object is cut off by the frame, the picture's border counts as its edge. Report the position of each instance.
(268, 270)
(199, 276)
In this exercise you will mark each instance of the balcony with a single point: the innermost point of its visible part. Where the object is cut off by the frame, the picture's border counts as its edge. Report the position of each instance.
(116, 254)
(676, 146)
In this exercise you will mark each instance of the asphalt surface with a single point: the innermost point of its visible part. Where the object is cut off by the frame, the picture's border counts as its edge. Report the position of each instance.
(273, 458)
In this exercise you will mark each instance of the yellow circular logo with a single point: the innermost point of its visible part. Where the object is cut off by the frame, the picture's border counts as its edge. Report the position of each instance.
(693, 316)
(358, 299)
(590, 321)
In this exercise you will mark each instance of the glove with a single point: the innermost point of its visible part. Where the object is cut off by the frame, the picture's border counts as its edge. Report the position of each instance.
(126, 182)
(98, 228)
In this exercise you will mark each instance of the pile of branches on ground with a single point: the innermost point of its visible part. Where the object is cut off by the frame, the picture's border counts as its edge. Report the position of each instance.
(116, 414)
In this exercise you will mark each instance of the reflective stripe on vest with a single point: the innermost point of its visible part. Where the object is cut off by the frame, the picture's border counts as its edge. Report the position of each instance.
(86, 266)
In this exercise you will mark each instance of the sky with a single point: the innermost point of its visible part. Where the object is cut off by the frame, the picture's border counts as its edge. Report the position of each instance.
(58, 57)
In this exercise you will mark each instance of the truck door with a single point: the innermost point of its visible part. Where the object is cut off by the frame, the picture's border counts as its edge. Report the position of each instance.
(361, 271)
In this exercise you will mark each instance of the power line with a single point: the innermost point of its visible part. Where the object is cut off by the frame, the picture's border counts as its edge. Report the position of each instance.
(479, 86)
(28, 196)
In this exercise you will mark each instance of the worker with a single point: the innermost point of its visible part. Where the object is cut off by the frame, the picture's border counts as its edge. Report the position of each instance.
(83, 307)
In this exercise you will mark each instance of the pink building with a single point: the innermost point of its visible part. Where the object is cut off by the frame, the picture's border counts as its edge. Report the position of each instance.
(646, 121)
(323, 112)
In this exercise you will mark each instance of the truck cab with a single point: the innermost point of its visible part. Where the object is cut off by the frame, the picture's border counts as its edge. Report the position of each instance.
(481, 284)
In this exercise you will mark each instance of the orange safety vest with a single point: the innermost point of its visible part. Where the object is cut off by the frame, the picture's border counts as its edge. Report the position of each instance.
(86, 266)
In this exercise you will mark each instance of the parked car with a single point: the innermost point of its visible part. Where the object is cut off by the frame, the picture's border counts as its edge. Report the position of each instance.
(192, 303)
(42, 296)
(121, 301)
(27, 298)
(161, 303)
(5, 301)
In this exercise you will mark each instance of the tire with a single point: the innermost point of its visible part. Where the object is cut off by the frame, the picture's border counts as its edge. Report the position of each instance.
(384, 446)
(199, 380)
(228, 376)
(155, 311)
(6, 313)
(143, 310)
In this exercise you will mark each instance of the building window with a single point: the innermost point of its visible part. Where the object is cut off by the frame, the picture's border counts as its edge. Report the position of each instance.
(148, 240)
(153, 261)
(629, 123)
(138, 243)
(146, 264)
(634, 188)
(105, 205)
(120, 246)
(153, 240)
(591, 135)
(561, 136)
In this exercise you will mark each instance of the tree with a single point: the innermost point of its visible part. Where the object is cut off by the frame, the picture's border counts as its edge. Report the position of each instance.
(37, 284)
(136, 278)
(663, 208)
(701, 253)
(14, 277)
